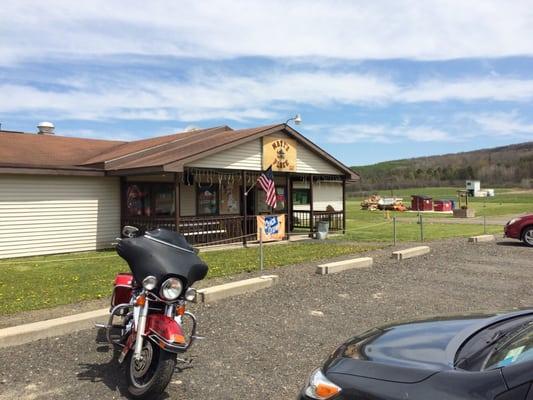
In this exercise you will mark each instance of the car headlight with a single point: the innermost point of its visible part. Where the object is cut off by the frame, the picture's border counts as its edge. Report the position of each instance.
(171, 289)
(150, 282)
(513, 221)
(320, 387)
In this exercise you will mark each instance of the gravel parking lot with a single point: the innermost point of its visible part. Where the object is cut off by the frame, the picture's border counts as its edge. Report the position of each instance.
(263, 345)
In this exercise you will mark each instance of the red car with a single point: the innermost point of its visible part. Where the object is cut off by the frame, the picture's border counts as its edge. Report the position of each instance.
(520, 228)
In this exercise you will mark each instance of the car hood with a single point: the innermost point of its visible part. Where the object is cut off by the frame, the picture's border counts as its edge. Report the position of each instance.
(407, 352)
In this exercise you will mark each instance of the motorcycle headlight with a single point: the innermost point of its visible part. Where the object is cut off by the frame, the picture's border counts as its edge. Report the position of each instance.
(171, 289)
(150, 282)
(320, 388)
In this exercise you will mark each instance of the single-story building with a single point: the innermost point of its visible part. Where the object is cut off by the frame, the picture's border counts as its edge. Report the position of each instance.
(62, 194)
(421, 203)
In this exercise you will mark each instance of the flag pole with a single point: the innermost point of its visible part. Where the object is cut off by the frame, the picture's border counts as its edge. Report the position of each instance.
(251, 187)
(255, 183)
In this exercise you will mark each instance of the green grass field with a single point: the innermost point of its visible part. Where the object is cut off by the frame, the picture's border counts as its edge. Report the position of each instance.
(47, 281)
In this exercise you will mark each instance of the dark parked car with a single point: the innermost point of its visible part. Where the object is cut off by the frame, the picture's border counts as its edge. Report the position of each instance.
(467, 358)
(520, 228)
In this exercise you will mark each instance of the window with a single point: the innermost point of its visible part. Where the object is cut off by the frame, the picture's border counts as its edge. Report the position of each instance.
(138, 200)
(208, 200)
(230, 199)
(300, 196)
(262, 207)
(281, 200)
(517, 348)
(163, 199)
(149, 199)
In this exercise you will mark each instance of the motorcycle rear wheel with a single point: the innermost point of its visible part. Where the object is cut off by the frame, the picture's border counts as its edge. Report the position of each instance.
(148, 378)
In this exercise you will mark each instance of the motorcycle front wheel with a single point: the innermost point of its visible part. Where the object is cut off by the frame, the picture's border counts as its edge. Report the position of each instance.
(148, 377)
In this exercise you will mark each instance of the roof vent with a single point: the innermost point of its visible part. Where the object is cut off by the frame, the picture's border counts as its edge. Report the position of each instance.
(45, 128)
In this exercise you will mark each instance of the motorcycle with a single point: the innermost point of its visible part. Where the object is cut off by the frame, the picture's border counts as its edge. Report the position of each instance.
(148, 316)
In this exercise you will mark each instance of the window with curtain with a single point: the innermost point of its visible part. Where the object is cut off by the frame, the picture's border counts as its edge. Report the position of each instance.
(149, 199)
(208, 199)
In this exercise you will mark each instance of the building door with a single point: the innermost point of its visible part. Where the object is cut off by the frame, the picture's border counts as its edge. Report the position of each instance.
(250, 203)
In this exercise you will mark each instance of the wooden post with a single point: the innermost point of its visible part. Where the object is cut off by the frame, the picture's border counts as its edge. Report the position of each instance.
(177, 200)
(287, 203)
(311, 215)
(123, 200)
(344, 205)
(244, 202)
(290, 202)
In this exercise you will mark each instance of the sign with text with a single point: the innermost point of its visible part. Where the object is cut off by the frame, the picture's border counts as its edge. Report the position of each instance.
(271, 226)
(280, 153)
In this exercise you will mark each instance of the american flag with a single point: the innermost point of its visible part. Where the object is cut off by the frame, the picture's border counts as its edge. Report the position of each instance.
(266, 180)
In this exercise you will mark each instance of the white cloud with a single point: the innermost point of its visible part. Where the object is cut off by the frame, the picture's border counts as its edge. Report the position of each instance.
(499, 124)
(378, 133)
(216, 29)
(240, 98)
(494, 88)
(202, 97)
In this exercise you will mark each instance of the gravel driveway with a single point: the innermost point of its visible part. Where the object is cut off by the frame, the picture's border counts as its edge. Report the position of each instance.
(263, 345)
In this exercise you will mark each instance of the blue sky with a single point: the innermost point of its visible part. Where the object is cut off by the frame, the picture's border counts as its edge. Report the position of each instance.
(373, 82)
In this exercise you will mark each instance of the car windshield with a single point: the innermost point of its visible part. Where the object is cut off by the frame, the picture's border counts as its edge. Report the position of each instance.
(514, 349)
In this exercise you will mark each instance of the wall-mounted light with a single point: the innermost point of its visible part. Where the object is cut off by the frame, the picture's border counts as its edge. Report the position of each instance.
(297, 119)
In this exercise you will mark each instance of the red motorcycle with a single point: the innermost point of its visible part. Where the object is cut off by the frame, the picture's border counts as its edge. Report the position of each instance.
(148, 318)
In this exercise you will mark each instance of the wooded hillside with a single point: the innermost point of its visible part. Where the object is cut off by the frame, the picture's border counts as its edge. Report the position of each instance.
(500, 166)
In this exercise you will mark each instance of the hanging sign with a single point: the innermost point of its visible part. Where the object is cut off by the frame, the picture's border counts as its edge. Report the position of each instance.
(271, 226)
(280, 153)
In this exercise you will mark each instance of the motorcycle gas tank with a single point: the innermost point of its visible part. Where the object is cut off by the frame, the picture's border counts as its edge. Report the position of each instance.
(146, 256)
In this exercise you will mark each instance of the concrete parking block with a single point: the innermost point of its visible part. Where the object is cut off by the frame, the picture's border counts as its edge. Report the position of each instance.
(219, 292)
(338, 266)
(481, 238)
(410, 253)
(21, 334)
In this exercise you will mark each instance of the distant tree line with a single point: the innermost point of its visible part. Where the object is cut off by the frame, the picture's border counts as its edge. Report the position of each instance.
(499, 167)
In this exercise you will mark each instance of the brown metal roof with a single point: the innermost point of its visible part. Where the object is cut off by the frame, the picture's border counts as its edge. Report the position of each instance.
(163, 153)
(143, 145)
(32, 150)
(182, 150)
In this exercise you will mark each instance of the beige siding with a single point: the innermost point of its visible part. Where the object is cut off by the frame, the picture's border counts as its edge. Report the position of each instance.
(327, 194)
(309, 163)
(187, 200)
(248, 156)
(324, 194)
(54, 214)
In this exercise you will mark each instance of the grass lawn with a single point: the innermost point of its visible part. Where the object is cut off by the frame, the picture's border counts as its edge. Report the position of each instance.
(506, 202)
(47, 281)
(381, 230)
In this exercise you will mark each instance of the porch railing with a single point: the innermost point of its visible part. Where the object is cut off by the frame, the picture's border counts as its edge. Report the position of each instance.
(202, 230)
(231, 228)
(301, 219)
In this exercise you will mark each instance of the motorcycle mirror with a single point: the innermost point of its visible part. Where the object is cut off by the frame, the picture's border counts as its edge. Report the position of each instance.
(129, 231)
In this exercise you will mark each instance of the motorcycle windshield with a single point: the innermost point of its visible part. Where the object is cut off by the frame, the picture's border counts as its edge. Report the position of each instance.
(156, 254)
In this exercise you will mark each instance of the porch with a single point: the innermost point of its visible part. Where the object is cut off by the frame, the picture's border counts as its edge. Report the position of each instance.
(213, 207)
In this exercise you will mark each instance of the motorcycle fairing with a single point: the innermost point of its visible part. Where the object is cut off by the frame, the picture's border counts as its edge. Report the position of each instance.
(148, 257)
